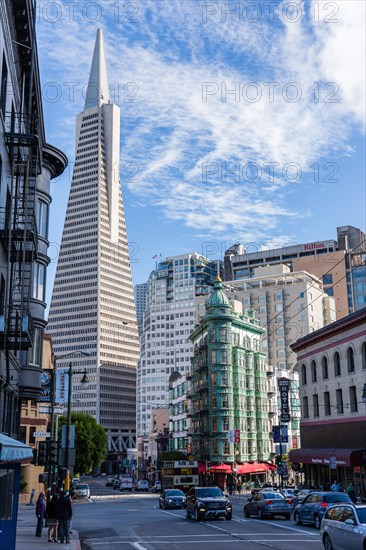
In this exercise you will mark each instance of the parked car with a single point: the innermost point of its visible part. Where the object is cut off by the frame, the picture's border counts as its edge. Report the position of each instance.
(344, 526)
(109, 482)
(267, 504)
(142, 485)
(172, 498)
(157, 487)
(82, 490)
(313, 507)
(126, 484)
(207, 502)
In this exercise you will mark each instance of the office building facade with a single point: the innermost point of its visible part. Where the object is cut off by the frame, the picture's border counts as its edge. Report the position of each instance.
(92, 307)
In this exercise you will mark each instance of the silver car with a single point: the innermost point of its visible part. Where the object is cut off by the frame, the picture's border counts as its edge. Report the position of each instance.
(267, 504)
(82, 490)
(344, 526)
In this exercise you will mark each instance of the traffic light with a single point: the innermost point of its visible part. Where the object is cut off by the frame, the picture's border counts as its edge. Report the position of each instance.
(279, 460)
(42, 453)
(53, 452)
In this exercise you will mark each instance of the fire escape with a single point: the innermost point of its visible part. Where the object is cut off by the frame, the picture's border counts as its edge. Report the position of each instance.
(18, 230)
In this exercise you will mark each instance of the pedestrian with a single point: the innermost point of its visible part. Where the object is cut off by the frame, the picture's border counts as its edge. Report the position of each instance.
(238, 485)
(40, 511)
(351, 492)
(51, 520)
(335, 486)
(64, 514)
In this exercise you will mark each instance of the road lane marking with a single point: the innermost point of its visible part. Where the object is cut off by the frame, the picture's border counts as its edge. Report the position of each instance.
(137, 545)
(291, 529)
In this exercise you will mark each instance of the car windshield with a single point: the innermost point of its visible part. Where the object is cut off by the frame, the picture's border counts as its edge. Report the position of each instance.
(81, 487)
(289, 492)
(174, 493)
(209, 492)
(272, 496)
(361, 512)
(336, 497)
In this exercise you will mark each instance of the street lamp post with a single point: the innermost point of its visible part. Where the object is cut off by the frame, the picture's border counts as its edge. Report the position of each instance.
(84, 380)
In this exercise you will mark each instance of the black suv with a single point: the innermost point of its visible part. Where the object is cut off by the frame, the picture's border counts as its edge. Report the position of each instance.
(207, 502)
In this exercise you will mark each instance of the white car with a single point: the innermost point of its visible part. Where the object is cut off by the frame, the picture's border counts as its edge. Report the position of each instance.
(82, 490)
(126, 484)
(344, 527)
(142, 485)
(75, 480)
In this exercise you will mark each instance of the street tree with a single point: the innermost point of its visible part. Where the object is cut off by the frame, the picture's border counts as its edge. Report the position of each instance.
(90, 441)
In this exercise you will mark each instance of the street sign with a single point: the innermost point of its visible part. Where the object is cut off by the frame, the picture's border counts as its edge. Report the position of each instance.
(230, 436)
(41, 434)
(44, 410)
(284, 434)
(333, 463)
(236, 436)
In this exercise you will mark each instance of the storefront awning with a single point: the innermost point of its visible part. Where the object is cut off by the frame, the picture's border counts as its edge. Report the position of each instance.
(12, 450)
(221, 468)
(254, 468)
(344, 457)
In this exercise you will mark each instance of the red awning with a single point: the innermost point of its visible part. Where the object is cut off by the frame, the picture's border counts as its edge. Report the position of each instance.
(344, 457)
(223, 468)
(202, 467)
(254, 468)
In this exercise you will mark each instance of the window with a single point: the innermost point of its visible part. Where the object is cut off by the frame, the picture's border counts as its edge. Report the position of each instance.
(337, 364)
(214, 401)
(315, 405)
(326, 403)
(212, 334)
(305, 407)
(213, 357)
(328, 279)
(226, 448)
(215, 448)
(303, 375)
(350, 360)
(363, 353)
(339, 398)
(353, 399)
(225, 424)
(36, 351)
(325, 367)
(314, 375)
(214, 424)
(42, 218)
(4, 85)
(223, 335)
(225, 402)
(213, 378)
(39, 282)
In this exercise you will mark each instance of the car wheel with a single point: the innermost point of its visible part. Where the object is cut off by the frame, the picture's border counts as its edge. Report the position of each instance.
(297, 518)
(317, 521)
(228, 517)
(260, 514)
(287, 516)
(188, 515)
(246, 513)
(327, 542)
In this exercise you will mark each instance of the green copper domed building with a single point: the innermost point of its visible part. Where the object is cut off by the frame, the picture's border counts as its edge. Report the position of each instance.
(229, 385)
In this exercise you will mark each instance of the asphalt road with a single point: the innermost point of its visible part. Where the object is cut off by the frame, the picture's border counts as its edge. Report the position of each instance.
(114, 520)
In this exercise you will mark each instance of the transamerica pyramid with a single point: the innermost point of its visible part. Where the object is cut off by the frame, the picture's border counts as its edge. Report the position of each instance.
(92, 307)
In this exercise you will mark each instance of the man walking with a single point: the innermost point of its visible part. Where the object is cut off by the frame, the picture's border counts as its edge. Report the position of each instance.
(335, 486)
(63, 510)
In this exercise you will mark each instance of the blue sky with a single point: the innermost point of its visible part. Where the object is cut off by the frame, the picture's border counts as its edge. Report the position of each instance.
(279, 160)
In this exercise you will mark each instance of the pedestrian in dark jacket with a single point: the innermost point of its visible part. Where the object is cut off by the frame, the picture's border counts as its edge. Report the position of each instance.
(52, 521)
(63, 510)
(40, 510)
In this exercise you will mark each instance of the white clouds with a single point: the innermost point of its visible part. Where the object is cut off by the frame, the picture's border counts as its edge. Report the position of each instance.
(170, 132)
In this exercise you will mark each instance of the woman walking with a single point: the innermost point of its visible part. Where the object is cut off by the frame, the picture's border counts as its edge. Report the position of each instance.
(52, 521)
(40, 510)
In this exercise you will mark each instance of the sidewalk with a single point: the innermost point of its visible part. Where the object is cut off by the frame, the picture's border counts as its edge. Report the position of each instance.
(26, 528)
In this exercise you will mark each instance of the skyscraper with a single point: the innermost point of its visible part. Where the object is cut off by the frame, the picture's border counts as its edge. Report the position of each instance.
(92, 307)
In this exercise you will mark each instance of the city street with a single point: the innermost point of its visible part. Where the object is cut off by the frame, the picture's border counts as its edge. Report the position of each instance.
(135, 520)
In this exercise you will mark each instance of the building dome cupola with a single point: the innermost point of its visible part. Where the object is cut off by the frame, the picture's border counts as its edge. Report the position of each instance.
(218, 298)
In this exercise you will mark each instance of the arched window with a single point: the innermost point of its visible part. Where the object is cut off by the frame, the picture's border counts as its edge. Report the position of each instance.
(303, 375)
(350, 360)
(337, 364)
(325, 367)
(363, 354)
(314, 376)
